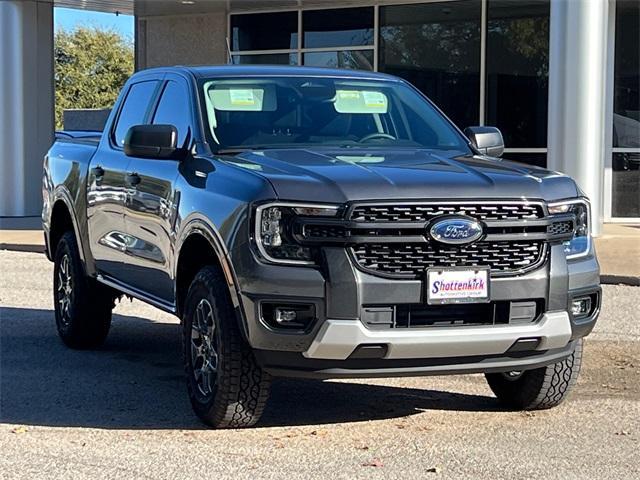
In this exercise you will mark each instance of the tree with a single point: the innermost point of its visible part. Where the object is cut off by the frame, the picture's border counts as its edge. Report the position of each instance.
(91, 65)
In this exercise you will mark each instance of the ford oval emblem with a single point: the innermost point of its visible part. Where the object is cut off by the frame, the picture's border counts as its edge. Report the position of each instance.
(456, 230)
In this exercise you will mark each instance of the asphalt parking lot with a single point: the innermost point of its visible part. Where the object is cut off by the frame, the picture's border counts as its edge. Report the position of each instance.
(122, 411)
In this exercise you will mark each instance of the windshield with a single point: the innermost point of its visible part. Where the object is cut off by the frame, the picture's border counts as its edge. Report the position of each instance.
(297, 112)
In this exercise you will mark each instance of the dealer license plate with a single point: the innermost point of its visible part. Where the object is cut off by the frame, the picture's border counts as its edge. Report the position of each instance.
(457, 285)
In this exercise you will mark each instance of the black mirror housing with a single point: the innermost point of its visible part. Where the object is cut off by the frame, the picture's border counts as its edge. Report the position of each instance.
(153, 141)
(487, 140)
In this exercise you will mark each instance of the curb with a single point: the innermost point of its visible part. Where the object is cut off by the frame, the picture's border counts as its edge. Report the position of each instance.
(620, 280)
(605, 279)
(16, 247)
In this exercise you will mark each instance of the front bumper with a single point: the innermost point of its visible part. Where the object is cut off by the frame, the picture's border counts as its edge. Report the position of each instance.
(337, 338)
(341, 294)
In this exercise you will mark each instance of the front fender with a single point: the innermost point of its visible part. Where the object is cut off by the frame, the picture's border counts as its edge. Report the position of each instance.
(199, 224)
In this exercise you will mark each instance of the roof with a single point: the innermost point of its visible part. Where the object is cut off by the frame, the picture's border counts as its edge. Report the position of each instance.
(273, 70)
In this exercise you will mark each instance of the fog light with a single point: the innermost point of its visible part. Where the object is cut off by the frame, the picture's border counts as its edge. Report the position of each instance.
(285, 316)
(580, 307)
(288, 316)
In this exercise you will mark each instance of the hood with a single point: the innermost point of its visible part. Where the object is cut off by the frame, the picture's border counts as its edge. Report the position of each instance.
(341, 175)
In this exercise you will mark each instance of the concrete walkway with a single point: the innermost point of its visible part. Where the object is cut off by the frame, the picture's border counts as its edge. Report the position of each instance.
(618, 250)
(618, 247)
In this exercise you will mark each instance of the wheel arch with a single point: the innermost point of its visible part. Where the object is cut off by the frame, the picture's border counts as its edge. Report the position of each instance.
(62, 219)
(199, 245)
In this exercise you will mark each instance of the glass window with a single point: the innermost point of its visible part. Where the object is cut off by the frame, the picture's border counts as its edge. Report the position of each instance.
(625, 175)
(340, 27)
(266, 59)
(537, 159)
(174, 109)
(264, 31)
(294, 112)
(518, 70)
(625, 179)
(135, 109)
(354, 59)
(436, 46)
(626, 99)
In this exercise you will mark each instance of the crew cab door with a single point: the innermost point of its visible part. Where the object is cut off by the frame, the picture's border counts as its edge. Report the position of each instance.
(106, 183)
(152, 201)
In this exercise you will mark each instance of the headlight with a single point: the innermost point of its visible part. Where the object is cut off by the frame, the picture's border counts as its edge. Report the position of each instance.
(276, 228)
(580, 244)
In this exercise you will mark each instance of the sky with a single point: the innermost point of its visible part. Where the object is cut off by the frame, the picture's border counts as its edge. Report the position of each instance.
(69, 18)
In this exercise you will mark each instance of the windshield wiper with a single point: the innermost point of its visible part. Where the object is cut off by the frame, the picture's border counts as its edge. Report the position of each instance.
(232, 151)
(248, 148)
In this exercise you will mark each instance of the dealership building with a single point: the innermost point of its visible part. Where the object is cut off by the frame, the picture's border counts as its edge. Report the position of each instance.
(560, 78)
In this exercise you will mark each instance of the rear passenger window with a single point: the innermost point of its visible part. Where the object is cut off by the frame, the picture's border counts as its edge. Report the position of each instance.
(174, 109)
(135, 109)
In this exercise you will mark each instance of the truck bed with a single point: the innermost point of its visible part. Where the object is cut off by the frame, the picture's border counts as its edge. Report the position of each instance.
(79, 136)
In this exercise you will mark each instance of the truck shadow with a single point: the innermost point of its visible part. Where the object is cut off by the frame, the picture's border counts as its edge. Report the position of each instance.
(136, 381)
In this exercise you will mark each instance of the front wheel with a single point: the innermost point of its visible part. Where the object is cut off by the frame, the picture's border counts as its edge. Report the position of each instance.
(226, 386)
(538, 389)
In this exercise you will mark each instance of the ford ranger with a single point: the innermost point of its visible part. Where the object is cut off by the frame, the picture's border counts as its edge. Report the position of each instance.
(319, 223)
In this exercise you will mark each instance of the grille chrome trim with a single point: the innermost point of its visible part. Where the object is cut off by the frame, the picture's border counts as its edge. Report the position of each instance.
(414, 263)
(398, 227)
(425, 211)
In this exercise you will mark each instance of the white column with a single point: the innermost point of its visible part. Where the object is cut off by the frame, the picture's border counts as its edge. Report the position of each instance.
(577, 95)
(26, 103)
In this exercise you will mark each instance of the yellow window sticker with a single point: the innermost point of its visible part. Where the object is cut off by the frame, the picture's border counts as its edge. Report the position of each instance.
(361, 101)
(242, 97)
(374, 99)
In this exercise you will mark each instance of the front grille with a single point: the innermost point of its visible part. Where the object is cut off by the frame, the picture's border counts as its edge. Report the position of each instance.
(323, 231)
(411, 260)
(427, 212)
(560, 228)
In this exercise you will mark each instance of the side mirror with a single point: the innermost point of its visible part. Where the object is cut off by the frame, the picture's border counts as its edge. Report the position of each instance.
(153, 141)
(488, 140)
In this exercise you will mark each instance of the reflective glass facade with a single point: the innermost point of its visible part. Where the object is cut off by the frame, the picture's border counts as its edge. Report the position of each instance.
(625, 161)
(436, 46)
(483, 62)
(517, 65)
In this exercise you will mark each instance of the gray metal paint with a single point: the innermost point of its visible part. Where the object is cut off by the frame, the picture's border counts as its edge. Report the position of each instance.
(302, 175)
(343, 294)
(558, 279)
(214, 197)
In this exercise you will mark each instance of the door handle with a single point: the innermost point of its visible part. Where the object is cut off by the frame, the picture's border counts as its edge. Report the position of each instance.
(133, 179)
(98, 171)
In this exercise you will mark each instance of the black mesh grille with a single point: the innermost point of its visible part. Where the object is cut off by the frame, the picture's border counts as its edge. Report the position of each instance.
(424, 213)
(560, 228)
(324, 231)
(411, 260)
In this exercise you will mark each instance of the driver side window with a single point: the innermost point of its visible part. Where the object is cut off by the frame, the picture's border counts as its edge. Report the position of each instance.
(174, 109)
(134, 110)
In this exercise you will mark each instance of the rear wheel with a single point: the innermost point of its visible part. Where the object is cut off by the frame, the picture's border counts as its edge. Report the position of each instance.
(538, 389)
(226, 386)
(82, 305)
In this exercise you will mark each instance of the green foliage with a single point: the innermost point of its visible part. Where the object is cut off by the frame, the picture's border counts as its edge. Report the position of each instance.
(91, 65)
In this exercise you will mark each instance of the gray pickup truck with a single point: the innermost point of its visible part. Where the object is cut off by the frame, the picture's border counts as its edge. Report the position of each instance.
(319, 223)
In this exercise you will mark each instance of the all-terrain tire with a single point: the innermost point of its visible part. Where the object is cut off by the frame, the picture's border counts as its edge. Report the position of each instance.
(237, 395)
(82, 306)
(541, 388)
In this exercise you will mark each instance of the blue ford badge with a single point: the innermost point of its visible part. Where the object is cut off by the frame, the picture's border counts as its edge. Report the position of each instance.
(456, 230)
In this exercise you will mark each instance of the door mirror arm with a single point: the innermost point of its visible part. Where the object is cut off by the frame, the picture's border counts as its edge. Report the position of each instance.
(486, 140)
